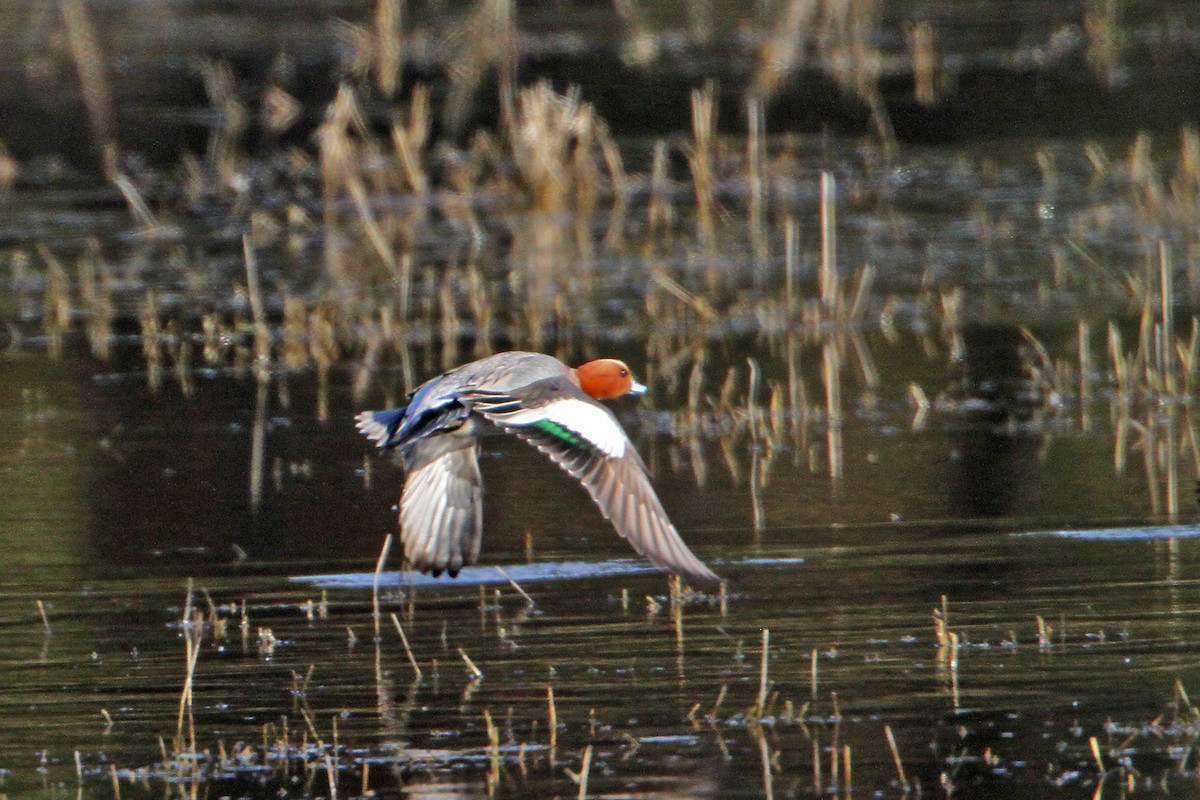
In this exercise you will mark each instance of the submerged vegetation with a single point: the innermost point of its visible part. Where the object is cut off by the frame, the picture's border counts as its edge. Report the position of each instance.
(772, 288)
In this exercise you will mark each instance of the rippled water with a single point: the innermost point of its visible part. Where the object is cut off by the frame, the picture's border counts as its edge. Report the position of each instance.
(957, 523)
(113, 499)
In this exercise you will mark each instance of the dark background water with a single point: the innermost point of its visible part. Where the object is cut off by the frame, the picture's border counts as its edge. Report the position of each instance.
(1016, 198)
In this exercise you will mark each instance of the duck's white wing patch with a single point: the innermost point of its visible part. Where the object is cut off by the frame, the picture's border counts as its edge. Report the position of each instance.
(567, 418)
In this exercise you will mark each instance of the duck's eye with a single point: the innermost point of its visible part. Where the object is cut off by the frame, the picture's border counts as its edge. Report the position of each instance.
(624, 373)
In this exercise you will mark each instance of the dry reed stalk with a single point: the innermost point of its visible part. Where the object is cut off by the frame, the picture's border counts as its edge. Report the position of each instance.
(754, 419)
(95, 299)
(151, 339)
(782, 51)
(659, 210)
(846, 46)
(193, 634)
(279, 109)
(1170, 455)
(1189, 355)
(698, 303)
(330, 770)
(389, 45)
(407, 649)
(489, 39)
(56, 304)
(338, 161)
(456, 204)
(760, 703)
(262, 333)
(758, 514)
(475, 672)
(818, 785)
(585, 770)
(515, 585)
(1102, 24)
(831, 370)
(493, 735)
(585, 171)
(1122, 366)
(552, 722)
(10, 169)
(922, 41)
(41, 607)
(375, 579)
(409, 141)
(1143, 176)
(375, 234)
(258, 441)
(1094, 746)
(1166, 283)
(828, 275)
(543, 133)
(449, 324)
(90, 64)
(612, 162)
(764, 760)
(1083, 337)
(755, 179)
(900, 774)
(700, 157)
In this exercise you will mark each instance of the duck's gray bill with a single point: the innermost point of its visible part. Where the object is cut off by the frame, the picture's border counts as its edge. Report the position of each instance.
(638, 388)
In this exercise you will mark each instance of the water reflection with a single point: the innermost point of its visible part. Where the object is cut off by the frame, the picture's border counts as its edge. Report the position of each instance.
(869, 368)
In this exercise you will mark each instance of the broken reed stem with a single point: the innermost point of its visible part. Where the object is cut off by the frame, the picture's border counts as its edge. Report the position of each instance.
(1095, 747)
(192, 636)
(584, 769)
(891, 739)
(760, 706)
(515, 585)
(408, 650)
(45, 620)
(330, 772)
(476, 672)
(383, 555)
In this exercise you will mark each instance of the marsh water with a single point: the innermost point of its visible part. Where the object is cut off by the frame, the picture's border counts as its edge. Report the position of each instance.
(953, 497)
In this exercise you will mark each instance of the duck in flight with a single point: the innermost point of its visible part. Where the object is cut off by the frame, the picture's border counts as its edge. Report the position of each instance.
(551, 406)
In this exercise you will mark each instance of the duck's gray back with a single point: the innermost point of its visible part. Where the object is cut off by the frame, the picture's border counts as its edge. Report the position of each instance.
(502, 373)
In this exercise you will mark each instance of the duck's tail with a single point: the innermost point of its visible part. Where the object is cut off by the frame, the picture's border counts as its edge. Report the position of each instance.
(381, 426)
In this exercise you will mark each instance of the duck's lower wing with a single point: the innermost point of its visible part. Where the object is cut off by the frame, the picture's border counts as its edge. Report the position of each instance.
(584, 438)
(441, 514)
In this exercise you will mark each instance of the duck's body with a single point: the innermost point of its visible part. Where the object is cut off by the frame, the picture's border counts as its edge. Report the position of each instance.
(546, 403)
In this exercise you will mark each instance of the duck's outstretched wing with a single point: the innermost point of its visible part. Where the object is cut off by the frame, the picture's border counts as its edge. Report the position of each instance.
(585, 439)
(441, 510)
